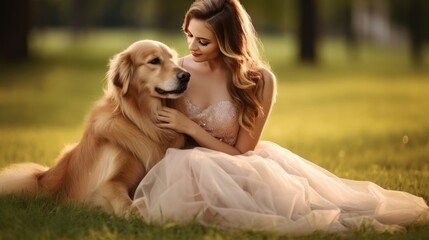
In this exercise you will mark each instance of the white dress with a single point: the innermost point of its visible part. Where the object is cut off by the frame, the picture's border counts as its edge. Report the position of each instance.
(269, 189)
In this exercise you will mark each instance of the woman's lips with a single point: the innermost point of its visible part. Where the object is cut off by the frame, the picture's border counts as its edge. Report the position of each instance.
(196, 54)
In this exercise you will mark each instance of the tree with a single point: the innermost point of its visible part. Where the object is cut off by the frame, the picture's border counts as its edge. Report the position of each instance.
(307, 10)
(416, 31)
(14, 28)
(78, 17)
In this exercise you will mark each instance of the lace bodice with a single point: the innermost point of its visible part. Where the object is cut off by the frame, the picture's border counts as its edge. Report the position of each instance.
(219, 119)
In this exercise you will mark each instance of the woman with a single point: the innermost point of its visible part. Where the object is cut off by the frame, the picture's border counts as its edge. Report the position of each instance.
(234, 180)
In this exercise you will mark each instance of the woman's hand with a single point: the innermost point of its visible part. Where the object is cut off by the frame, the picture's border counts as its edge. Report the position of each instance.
(173, 119)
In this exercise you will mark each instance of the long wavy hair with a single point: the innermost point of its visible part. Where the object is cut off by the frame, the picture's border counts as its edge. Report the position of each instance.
(238, 42)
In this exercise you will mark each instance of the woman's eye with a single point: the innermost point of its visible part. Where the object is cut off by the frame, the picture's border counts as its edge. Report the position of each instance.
(204, 43)
(155, 61)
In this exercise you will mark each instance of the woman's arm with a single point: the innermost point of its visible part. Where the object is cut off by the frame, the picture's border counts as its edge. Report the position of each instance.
(174, 119)
(246, 141)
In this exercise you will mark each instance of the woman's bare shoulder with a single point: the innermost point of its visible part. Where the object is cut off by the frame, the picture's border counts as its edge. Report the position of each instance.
(269, 77)
(186, 62)
(270, 83)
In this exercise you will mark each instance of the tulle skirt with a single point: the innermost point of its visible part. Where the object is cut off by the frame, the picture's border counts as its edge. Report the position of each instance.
(269, 189)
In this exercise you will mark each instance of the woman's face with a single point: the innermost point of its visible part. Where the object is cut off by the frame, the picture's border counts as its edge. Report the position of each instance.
(201, 41)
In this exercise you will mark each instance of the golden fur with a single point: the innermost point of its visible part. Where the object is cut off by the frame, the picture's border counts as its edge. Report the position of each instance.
(121, 141)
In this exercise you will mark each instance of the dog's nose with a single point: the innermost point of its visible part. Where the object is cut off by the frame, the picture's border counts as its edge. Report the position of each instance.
(183, 76)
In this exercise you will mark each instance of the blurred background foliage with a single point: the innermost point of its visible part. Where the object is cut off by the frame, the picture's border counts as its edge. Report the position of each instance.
(384, 22)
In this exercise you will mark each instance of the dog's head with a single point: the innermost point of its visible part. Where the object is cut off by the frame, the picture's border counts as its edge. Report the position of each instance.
(147, 68)
(140, 79)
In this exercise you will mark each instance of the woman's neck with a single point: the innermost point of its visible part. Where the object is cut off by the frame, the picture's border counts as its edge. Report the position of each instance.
(215, 65)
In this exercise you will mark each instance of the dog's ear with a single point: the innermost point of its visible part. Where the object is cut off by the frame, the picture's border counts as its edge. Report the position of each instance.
(121, 71)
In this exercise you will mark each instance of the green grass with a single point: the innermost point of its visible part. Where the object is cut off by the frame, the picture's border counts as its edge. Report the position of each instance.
(364, 118)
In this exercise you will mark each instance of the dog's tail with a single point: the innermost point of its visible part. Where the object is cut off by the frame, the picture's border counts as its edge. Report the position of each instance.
(33, 178)
(21, 178)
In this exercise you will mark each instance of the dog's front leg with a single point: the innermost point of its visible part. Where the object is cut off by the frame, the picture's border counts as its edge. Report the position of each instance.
(116, 193)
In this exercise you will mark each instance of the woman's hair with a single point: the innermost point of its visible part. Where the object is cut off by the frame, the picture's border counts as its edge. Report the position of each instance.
(239, 45)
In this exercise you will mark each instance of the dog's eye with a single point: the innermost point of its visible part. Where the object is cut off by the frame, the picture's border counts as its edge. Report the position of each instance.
(155, 61)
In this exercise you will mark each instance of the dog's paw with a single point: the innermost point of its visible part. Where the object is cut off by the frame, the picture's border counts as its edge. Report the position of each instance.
(131, 211)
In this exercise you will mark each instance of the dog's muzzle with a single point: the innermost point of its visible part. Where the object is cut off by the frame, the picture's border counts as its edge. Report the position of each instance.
(183, 78)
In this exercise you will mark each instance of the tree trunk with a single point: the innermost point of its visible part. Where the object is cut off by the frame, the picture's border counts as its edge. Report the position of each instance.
(308, 30)
(350, 29)
(416, 31)
(14, 28)
(78, 18)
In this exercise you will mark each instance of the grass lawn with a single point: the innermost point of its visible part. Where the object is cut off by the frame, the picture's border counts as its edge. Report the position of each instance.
(362, 116)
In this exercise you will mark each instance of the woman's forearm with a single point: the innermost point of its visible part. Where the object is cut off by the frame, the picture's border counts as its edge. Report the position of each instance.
(204, 139)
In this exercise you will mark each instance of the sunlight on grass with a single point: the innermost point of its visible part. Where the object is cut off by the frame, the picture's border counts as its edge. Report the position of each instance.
(349, 107)
(41, 145)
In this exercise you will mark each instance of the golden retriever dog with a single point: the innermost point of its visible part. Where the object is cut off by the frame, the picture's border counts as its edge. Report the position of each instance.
(121, 141)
